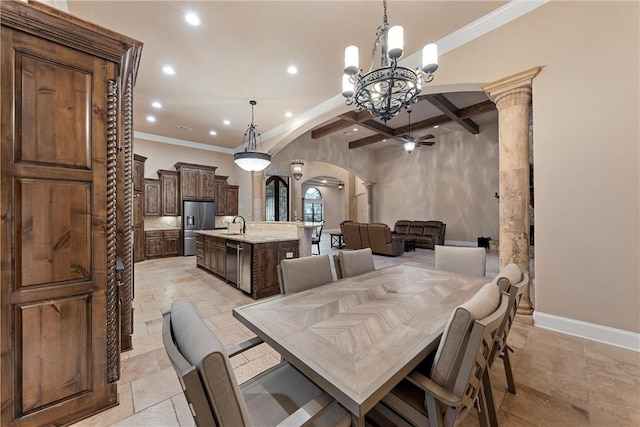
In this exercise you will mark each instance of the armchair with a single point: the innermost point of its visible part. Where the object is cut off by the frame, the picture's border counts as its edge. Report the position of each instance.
(382, 242)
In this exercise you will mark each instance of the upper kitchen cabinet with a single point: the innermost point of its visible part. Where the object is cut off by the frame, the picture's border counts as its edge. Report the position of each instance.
(221, 195)
(138, 172)
(152, 197)
(196, 181)
(170, 194)
(232, 200)
(66, 194)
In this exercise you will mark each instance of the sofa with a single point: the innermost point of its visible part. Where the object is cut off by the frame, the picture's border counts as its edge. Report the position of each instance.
(376, 236)
(426, 233)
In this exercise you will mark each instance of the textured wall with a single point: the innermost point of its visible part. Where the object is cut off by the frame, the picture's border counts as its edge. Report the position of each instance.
(452, 181)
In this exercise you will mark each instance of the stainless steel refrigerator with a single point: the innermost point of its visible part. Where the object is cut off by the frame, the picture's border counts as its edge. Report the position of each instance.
(196, 216)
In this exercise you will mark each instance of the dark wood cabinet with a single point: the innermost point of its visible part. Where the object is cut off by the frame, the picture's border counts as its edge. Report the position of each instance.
(138, 173)
(196, 181)
(138, 226)
(170, 194)
(152, 197)
(172, 243)
(221, 195)
(162, 243)
(65, 212)
(232, 200)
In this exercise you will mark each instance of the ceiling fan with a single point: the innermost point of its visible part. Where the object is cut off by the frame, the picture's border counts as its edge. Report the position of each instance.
(410, 143)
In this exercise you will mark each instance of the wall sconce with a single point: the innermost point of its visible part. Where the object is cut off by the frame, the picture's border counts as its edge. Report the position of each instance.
(340, 186)
(296, 169)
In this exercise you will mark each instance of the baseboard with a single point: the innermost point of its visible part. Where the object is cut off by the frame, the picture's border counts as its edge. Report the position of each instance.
(459, 243)
(590, 331)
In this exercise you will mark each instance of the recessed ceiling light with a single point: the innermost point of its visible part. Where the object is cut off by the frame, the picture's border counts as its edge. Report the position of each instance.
(151, 119)
(213, 132)
(288, 114)
(436, 126)
(292, 69)
(384, 140)
(226, 122)
(355, 129)
(324, 181)
(168, 69)
(156, 104)
(192, 19)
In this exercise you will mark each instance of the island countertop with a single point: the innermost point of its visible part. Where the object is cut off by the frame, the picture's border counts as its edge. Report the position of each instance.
(250, 237)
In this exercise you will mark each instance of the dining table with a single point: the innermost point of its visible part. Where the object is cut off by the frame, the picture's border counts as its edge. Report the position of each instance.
(357, 337)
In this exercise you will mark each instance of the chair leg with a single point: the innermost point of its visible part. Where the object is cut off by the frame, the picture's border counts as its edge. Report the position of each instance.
(511, 385)
(488, 405)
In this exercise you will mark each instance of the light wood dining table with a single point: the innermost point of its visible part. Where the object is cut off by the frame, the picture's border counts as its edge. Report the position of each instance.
(356, 338)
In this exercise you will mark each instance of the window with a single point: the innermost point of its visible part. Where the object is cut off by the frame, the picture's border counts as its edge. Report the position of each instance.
(313, 211)
(277, 199)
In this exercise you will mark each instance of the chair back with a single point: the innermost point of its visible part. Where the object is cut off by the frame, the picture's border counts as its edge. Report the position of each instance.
(351, 235)
(466, 345)
(401, 226)
(416, 227)
(203, 368)
(356, 262)
(317, 233)
(515, 291)
(338, 268)
(300, 274)
(463, 260)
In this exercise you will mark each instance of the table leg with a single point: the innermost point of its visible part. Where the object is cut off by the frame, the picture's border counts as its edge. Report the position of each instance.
(356, 421)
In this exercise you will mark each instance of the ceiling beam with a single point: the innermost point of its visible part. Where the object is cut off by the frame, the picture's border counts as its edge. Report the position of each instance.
(330, 128)
(363, 142)
(443, 104)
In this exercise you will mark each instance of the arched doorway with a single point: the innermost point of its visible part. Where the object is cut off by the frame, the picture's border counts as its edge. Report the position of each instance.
(277, 199)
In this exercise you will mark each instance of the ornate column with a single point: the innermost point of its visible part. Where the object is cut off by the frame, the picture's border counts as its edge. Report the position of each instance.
(352, 212)
(369, 186)
(257, 192)
(512, 96)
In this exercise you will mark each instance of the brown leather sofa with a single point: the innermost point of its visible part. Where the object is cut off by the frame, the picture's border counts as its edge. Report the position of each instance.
(376, 236)
(427, 233)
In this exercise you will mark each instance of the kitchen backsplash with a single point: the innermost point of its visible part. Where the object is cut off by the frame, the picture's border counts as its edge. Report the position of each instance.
(162, 222)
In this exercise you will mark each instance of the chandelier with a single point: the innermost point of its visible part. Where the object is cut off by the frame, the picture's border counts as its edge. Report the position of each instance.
(251, 159)
(296, 169)
(385, 90)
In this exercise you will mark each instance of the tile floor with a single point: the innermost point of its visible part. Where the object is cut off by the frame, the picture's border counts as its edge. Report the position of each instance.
(561, 380)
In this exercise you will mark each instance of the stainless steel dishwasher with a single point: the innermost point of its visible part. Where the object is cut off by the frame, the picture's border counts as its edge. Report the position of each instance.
(239, 265)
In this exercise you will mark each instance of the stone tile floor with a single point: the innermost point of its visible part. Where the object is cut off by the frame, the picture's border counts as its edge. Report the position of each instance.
(561, 380)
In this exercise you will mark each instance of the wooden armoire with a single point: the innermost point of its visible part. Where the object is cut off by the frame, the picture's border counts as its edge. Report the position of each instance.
(66, 213)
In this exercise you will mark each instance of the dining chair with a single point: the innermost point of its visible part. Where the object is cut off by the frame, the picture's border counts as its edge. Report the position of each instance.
(518, 282)
(464, 260)
(448, 384)
(354, 263)
(315, 238)
(279, 395)
(300, 274)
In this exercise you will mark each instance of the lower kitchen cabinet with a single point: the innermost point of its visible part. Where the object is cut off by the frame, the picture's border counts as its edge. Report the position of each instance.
(162, 243)
(211, 255)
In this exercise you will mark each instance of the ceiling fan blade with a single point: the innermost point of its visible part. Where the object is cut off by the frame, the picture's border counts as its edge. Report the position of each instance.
(424, 137)
(427, 143)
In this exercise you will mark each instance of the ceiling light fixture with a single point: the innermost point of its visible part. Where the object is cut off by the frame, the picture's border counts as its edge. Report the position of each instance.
(251, 159)
(385, 90)
(226, 122)
(410, 143)
(192, 19)
(156, 104)
(151, 119)
(296, 169)
(168, 69)
(292, 69)
(288, 114)
(213, 133)
(340, 186)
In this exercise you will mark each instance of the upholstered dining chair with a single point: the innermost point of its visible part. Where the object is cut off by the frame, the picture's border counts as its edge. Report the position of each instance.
(446, 386)
(279, 395)
(515, 281)
(464, 260)
(353, 263)
(300, 274)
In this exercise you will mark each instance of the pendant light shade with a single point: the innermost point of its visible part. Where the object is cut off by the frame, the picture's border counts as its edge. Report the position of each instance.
(251, 159)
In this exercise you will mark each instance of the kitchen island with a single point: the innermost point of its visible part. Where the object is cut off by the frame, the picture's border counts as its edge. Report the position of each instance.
(261, 251)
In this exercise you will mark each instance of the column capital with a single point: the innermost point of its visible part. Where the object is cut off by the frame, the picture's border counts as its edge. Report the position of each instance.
(507, 85)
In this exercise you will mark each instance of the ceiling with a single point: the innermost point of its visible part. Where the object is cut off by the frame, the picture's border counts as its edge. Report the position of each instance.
(242, 49)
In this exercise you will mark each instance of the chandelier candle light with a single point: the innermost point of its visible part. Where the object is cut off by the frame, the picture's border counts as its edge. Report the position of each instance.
(385, 90)
(251, 159)
(296, 169)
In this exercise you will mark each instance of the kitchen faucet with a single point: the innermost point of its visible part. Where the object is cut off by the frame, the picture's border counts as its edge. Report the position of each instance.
(244, 224)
